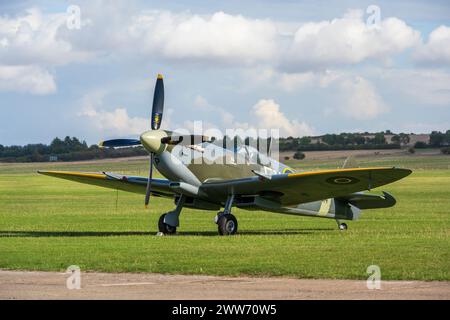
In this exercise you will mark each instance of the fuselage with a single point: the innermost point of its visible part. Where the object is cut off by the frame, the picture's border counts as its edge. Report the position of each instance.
(199, 163)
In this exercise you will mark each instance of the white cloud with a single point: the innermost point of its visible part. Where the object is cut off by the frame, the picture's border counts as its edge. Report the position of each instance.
(355, 97)
(31, 79)
(29, 46)
(348, 40)
(437, 49)
(299, 80)
(116, 123)
(202, 104)
(267, 115)
(33, 38)
(218, 37)
(430, 87)
(360, 99)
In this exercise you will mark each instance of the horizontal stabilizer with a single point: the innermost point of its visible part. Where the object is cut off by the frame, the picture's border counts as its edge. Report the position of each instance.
(369, 201)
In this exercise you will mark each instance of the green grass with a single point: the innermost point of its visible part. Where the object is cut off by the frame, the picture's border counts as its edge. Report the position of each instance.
(49, 224)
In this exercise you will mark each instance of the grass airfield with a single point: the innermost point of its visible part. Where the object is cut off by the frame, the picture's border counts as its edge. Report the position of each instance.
(49, 224)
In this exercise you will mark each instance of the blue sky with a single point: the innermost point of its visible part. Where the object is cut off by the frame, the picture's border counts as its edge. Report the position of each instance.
(307, 68)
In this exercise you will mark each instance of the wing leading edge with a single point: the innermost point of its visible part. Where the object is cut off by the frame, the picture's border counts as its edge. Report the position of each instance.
(160, 187)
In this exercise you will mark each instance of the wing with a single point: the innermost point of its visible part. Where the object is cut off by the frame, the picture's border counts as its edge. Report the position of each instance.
(295, 188)
(160, 187)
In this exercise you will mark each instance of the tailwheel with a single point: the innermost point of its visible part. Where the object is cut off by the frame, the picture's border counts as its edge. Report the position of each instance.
(343, 226)
(164, 227)
(227, 224)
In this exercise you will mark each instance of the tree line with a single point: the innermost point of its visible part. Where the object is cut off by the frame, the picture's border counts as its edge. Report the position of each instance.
(67, 149)
(361, 141)
(72, 149)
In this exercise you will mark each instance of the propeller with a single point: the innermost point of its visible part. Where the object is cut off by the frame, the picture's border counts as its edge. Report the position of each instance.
(157, 113)
(151, 140)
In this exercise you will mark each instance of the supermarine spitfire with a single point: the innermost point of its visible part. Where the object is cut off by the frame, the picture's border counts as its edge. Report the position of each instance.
(262, 184)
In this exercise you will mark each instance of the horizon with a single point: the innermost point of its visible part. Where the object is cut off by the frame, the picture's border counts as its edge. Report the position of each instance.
(298, 137)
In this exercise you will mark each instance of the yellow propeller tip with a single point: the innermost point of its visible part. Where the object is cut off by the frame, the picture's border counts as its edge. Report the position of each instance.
(160, 76)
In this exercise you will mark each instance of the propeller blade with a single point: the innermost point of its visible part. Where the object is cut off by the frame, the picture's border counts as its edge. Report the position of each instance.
(149, 182)
(158, 103)
(119, 143)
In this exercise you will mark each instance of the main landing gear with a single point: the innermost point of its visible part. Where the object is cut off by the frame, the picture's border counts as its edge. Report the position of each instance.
(226, 222)
(169, 221)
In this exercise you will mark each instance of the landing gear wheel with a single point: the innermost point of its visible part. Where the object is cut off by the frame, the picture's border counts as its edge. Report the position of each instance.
(343, 226)
(227, 225)
(164, 227)
(218, 215)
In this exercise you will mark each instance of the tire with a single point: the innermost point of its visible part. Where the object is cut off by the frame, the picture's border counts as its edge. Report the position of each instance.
(343, 227)
(227, 225)
(164, 227)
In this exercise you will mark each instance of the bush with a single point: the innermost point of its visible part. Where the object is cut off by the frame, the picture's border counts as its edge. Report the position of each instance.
(411, 150)
(420, 145)
(445, 150)
(299, 155)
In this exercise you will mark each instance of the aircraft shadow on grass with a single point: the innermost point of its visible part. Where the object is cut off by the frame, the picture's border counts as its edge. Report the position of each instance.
(44, 234)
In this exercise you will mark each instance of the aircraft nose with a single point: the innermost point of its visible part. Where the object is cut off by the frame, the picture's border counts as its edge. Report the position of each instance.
(151, 140)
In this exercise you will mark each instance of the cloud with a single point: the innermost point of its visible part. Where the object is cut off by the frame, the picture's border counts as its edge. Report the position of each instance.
(347, 40)
(430, 87)
(436, 51)
(31, 79)
(227, 118)
(29, 46)
(218, 37)
(354, 96)
(360, 99)
(116, 123)
(299, 80)
(34, 38)
(267, 115)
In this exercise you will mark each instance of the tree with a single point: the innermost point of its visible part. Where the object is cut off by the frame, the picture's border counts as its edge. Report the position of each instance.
(404, 138)
(379, 138)
(436, 138)
(360, 140)
(329, 139)
(447, 137)
(420, 145)
(58, 146)
(305, 141)
(396, 139)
